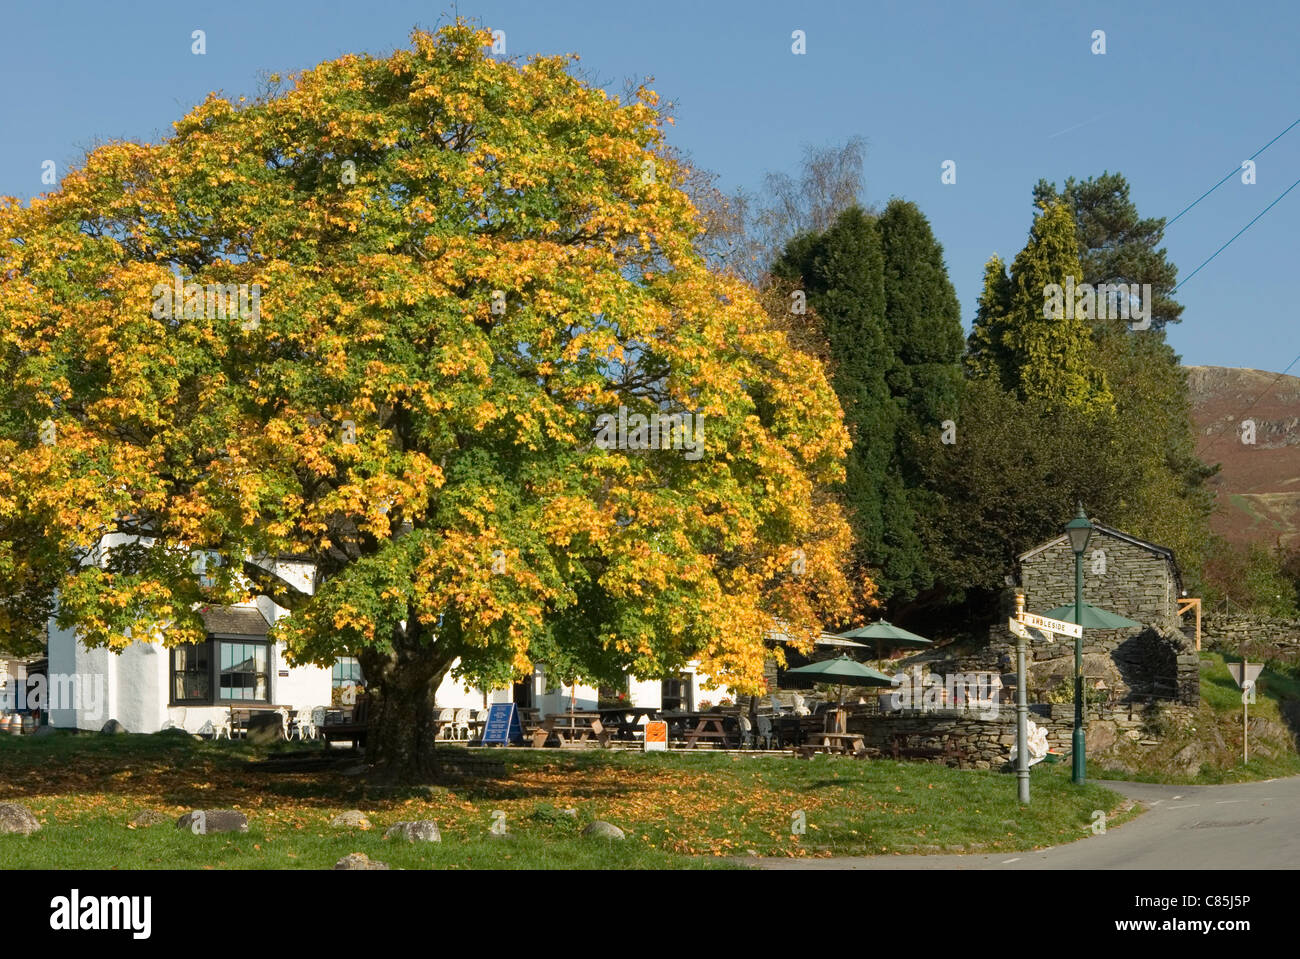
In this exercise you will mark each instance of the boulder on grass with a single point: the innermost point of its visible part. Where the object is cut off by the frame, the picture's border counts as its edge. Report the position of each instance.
(603, 830)
(203, 821)
(262, 729)
(113, 728)
(422, 830)
(352, 819)
(359, 860)
(16, 818)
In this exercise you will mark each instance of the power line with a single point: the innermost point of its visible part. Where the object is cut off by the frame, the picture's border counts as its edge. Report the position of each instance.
(1235, 235)
(1231, 173)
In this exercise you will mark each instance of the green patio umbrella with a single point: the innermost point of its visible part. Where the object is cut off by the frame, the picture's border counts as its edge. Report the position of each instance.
(886, 634)
(1094, 617)
(842, 670)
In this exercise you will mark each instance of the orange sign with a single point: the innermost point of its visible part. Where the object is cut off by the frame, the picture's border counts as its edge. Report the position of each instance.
(656, 736)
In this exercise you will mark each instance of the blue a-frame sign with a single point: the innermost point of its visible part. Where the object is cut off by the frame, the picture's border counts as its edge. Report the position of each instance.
(503, 725)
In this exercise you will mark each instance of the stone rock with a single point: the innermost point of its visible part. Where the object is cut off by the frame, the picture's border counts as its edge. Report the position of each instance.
(1189, 759)
(16, 818)
(113, 728)
(352, 819)
(44, 731)
(264, 728)
(150, 817)
(603, 830)
(173, 731)
(421, 830)
(1101, 736)
(359, 860)
(214, 820)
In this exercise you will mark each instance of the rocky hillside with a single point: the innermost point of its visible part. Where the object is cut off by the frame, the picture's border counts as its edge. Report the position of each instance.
(1258, 487)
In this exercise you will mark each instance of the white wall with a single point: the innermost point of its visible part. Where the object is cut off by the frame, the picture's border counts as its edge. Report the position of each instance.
(134, 686)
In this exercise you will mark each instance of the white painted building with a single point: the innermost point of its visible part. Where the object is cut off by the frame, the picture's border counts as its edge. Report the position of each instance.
(147, 686)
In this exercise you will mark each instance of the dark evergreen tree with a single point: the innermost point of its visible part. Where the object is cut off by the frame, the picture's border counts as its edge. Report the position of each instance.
(843, 275)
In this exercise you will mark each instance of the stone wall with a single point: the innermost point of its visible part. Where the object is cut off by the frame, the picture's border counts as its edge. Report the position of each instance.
(985, 743)
(1118, 575)
(1134, 664)
(1264, 637)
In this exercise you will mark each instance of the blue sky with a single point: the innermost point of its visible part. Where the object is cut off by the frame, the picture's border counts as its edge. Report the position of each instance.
(1010, 91)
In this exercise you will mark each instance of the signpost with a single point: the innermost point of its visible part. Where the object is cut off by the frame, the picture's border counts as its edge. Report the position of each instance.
(1244, 675)
(1050, 625)
(656, 736)
(1025, 627)
(502, 725)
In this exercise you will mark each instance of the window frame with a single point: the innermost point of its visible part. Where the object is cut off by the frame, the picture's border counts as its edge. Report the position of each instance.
(214, 642)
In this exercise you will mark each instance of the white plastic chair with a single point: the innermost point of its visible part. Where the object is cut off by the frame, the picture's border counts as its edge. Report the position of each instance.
(176, 723)
(461, 724)
(216, 730)
(446, 721)
(305, 727)
(800, 706)
(746, 731)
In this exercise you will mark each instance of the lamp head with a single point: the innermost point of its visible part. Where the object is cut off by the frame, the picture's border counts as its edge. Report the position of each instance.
(1079, 530)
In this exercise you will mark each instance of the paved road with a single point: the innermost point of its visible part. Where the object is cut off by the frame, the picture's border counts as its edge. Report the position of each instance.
(1245, 826)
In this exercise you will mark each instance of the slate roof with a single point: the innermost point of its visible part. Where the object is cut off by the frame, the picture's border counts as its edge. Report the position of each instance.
(234, 621)
(1163, 551)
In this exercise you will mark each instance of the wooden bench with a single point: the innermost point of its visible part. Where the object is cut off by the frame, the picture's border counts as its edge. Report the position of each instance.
(850, 744)
(353, 730)
(901, 747)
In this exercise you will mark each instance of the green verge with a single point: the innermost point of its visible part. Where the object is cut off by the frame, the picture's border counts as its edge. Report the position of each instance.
(678, 810)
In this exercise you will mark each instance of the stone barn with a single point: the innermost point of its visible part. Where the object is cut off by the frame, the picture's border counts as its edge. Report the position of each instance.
(1121, 574)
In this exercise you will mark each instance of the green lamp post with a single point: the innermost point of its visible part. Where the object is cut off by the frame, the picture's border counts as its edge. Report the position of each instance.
(1080, 531)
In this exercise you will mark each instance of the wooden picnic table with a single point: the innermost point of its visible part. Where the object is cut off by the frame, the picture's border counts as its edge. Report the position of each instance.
(707, 726)
(628, 718)
(579, 726)
(795, 730)
(850, 744)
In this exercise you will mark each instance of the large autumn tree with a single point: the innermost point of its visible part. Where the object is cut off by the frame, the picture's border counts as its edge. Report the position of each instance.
(463, 262)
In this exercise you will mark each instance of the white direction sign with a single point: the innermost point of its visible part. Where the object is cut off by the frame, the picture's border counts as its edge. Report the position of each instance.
(1051, 625)
(1028, 633)
(1245, 674)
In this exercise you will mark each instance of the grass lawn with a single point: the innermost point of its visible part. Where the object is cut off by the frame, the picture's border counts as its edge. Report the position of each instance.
(679, 811)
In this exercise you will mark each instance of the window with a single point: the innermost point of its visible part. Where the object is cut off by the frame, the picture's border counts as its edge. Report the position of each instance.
(192, 673)
(221, 671)
(676, 693)
(347, 672)
(244, 673)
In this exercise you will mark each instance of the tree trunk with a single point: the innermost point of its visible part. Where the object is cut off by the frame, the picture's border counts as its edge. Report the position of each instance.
(402, 726)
